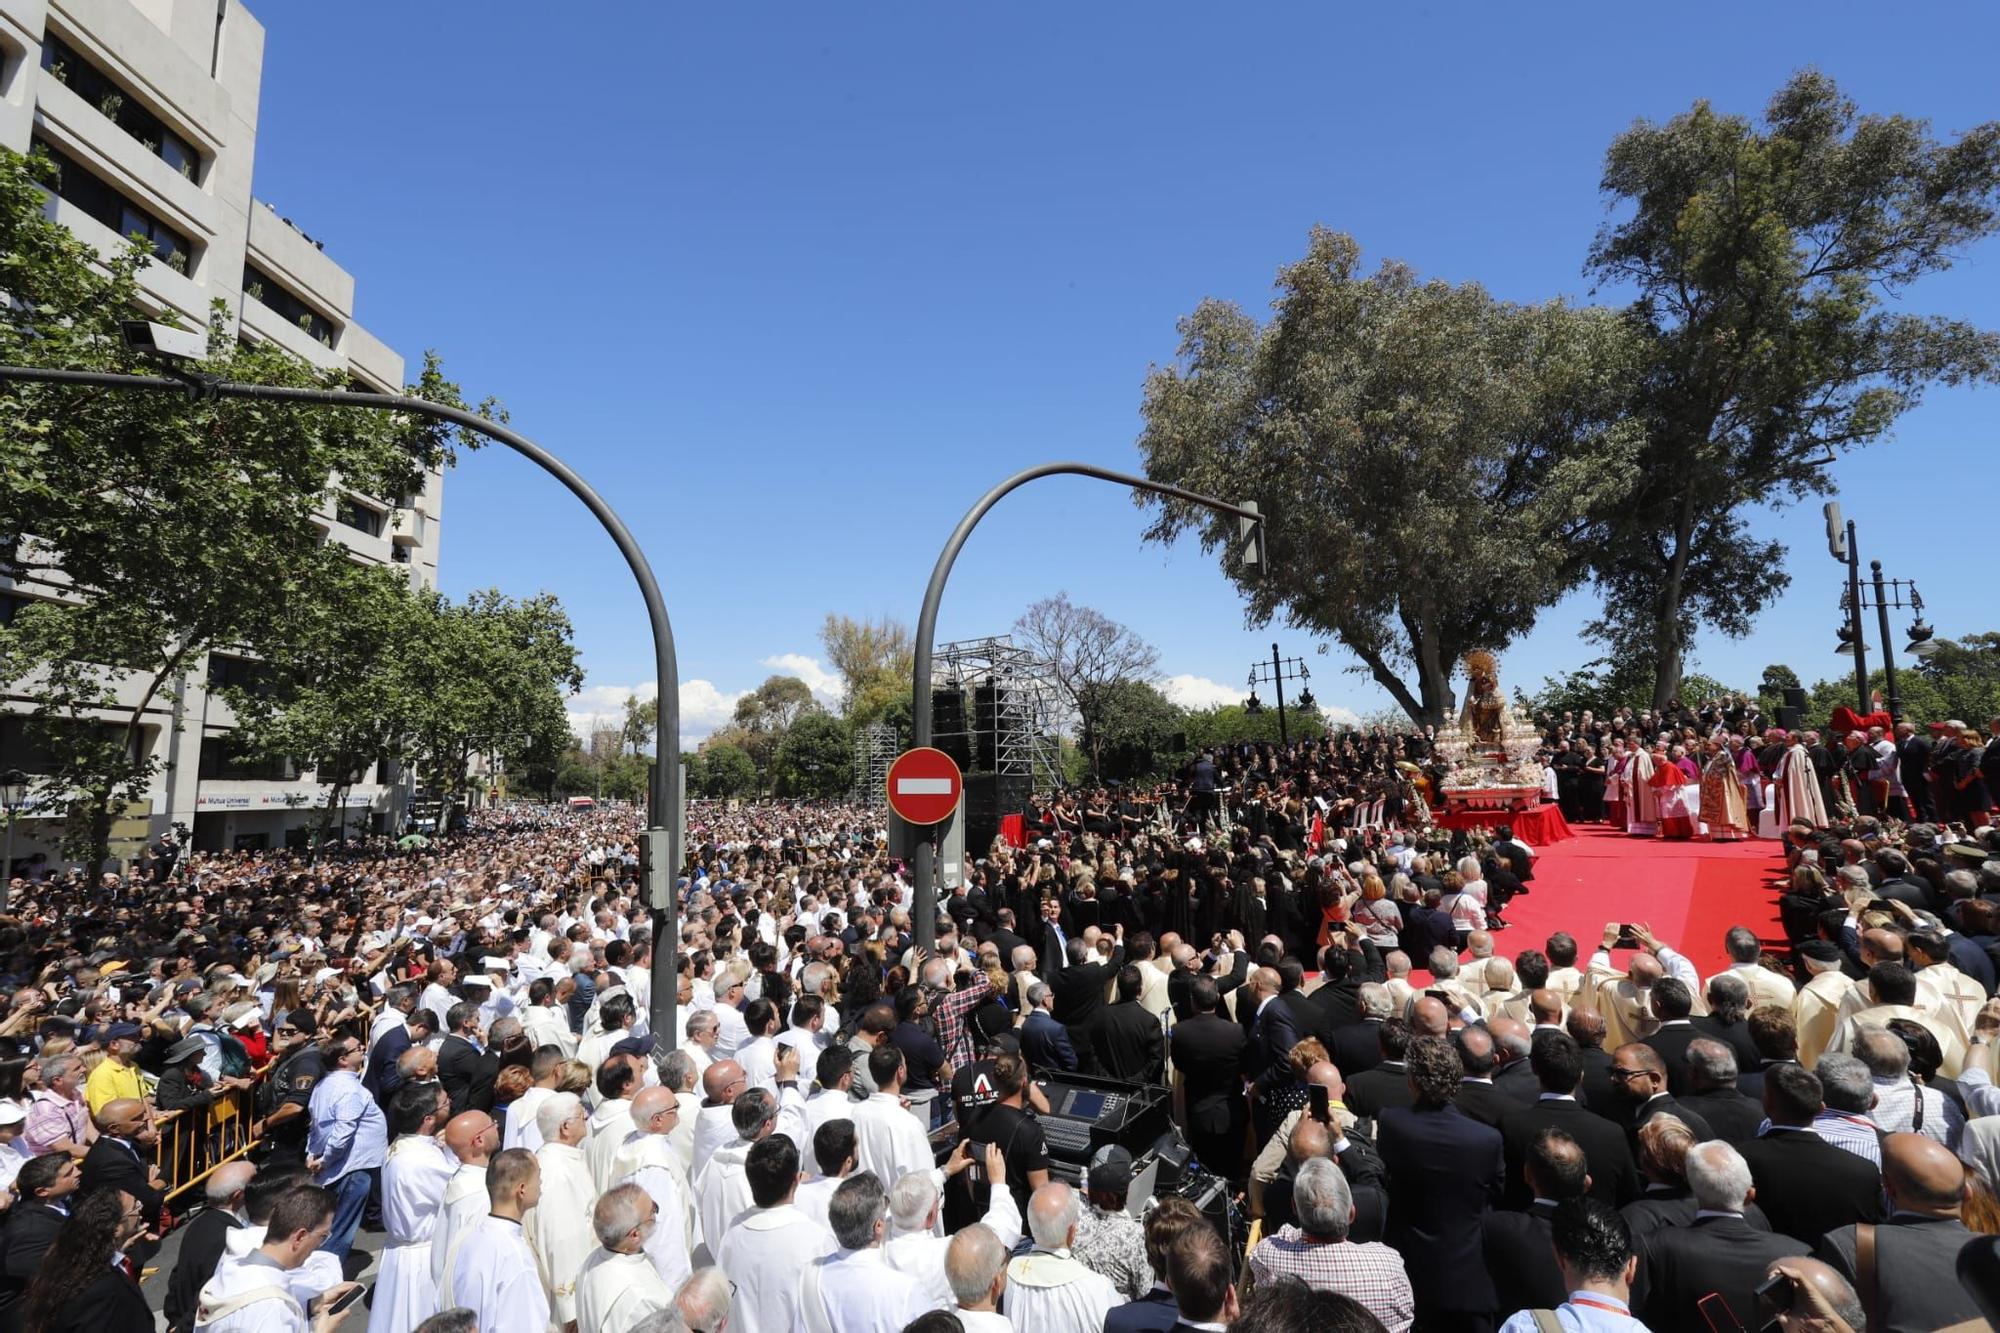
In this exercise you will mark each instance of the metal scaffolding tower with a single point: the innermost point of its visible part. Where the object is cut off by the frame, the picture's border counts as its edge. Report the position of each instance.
(874, 751)
(1011, 701)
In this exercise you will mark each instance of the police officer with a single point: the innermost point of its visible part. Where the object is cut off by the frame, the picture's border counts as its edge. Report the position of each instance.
(286, 1095)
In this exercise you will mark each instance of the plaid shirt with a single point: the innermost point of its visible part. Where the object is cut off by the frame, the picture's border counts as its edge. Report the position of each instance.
(949, 1012)
(1364, 1271)
(52, 1120)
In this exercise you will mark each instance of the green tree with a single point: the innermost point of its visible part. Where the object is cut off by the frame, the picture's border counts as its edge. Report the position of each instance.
(1229, 724)
(1763, 258)
(765, 715)
(1088, 657)
(1424, 453)
(816, 757)
(874, 659)
(1134, 725)
(177, 524)
(727, 770)
(641, 721)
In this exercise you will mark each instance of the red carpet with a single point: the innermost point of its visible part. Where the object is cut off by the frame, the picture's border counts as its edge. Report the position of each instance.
(1689, 893)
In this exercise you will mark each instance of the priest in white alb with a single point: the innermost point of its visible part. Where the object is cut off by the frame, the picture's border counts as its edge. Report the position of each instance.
(888, 1140)
(558, 1226)
(649, 1161)
(618, 1286)
(853, 1290)
(492, 1273)
(472, 1138)
(721, 1190)
(413, 1184)
(764, 1251)
(1047, 1287)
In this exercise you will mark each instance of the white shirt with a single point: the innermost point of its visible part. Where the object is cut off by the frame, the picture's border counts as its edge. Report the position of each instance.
(616, 1291)
(820, 1108)
(763, 1254)
(921, 1253)
(493, 1275)
(861, 1293)
(1049, 1292)
(722, 1190)
(280, 1312)
(888, 1140)
(759, 1058)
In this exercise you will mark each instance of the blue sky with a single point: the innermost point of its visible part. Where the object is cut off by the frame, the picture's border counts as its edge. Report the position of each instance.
(794, 283)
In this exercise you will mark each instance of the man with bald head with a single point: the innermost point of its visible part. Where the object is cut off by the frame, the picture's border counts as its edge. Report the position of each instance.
(1429, 1017)
(204, 1239)
(647, 1159)
(1914, 1283)
(122, 1157)
(473, 1138)
(1818, 1295)
(721, 1084)
(1625, 999)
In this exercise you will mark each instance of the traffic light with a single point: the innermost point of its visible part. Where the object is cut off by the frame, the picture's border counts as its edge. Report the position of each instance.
(1836, 531)
(1250, 539)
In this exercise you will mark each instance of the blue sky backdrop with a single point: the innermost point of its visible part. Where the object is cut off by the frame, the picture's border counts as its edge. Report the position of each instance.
(794, 283)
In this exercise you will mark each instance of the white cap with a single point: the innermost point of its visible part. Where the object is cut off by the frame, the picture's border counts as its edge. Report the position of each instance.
(12, 1113)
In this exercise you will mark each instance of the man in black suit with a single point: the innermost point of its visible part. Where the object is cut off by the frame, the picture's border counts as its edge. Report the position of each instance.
(1348, 963)
(1044, 1041)
(1388, 1083)
(466, 1069)
(1477, 1096)
(1915, 1251)
(1274, 1031)
(122, 1157)
(1303, 1008)
(1004, 938)
(1598, 1092)
(1673, 1002)
(1519, 1247)
(1445, 1171)
(1079, 991)
(1913, 763)
(45, 1188)
(1712, 1093)
(1641, 1079)
(1558, 1065)
(1129, 1042)
(1051, 941)
(1208, 1055)
(1719, 1252)
(1513, 1041)
(1357, 1047)
(203, 1241)
(1807, 1186)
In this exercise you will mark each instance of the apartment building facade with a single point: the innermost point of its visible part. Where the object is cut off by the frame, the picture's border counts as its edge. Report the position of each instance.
(149, 107)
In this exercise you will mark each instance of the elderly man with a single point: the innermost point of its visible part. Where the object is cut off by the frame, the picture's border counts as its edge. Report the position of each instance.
(558, 1226)
(204, 1240)
(117, 1077)
(1816, 1009)
(915, 1248)
(1902, 1105)
(764, 1250)
(58, 1119)
(1316, 1249)
(975, 1264)
(1049, 1291)
(472, 1139)
(721, 1084)
(1719, 1252)
(1914, 1254)
(618, 1286)
(648, 1159)
(1625, 999)
(854, 1290)
(1744, 949)
(721, 1187)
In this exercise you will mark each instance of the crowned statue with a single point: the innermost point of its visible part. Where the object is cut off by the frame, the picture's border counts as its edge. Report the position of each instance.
(1491, 757)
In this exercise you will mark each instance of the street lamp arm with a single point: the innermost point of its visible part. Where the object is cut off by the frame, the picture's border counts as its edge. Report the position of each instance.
(920, 676)
(665, 789)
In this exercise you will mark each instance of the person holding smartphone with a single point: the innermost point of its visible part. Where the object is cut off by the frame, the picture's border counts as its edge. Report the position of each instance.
(242, 1297)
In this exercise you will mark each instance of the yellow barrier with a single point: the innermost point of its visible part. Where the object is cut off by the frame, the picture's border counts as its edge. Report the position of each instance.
(194, 1142)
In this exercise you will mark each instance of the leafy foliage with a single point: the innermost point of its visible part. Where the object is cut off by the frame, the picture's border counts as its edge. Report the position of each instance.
(1425, 452)
(874, 659)
(816, 757)
(725, 770)
(1762, 259)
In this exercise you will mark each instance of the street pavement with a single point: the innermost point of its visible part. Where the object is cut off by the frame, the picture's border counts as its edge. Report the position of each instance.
(154, 1283)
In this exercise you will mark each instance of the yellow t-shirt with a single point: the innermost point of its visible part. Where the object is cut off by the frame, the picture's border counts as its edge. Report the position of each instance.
(110, 1081)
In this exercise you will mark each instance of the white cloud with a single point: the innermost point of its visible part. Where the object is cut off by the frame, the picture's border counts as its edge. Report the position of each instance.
(824, 684)
(1197, 692)
(703, 707)
(1200, 692)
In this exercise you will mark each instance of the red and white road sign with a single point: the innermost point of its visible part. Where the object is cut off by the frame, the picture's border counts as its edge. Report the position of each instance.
(924, 786)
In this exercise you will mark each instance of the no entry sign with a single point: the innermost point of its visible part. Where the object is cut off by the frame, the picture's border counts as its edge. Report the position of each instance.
(924, 786)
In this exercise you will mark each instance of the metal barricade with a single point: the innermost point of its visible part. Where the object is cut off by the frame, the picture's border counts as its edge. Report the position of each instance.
(193, 1142)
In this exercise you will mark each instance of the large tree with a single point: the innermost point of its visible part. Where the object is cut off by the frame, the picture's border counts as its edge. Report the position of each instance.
(1763, 258)
(156, 526)
(1423, 453)
(874, 659)
(1088, 655)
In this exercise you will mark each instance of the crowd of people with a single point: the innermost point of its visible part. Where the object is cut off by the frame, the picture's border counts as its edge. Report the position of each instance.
(1413, 1127)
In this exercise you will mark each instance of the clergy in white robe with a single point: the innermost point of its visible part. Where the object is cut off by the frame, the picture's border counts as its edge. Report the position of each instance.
(854, 1290)
(1047, 1289)
(472, 1138)
(521, 1129)
(619, 1286)
(610, 1125)
(414, 1180)
(547, 1025)
(258, 1289)
(649, 1161)
(721, 1083)
(914, 1247)
(491, 1270)
(1817, 1007)
(888, 1140)
(558, 1226)
(317, 1274)
(722, 1189)
(763, 1252)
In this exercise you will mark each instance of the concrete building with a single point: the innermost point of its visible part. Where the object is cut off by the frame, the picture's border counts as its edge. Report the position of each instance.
(150, 109)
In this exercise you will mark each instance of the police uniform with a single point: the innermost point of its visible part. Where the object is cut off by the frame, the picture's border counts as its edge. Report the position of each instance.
(292, 1083)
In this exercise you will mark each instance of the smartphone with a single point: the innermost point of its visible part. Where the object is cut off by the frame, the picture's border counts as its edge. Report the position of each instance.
(1715, 1312)
(1440, 995)
(1776, 1294)
(1322, 1110)
(1626, 939)
(976, 1154)
(341, 1303)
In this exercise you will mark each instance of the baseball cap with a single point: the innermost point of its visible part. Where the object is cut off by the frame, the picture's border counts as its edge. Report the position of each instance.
(1111, 1169)
(12, 1113)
